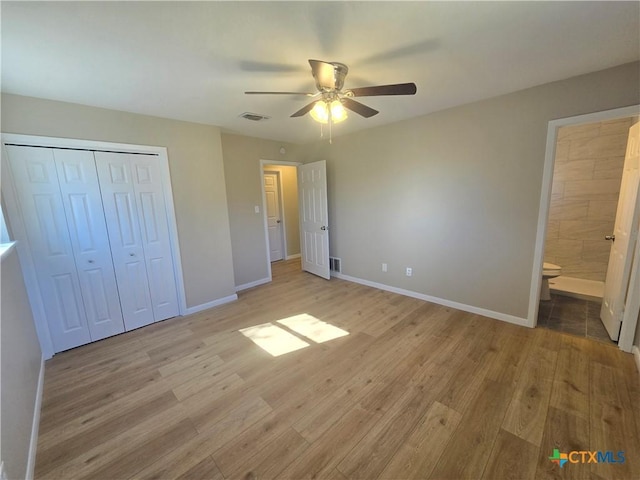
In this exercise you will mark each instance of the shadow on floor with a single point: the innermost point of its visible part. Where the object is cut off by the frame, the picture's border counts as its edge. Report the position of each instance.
(573, 316)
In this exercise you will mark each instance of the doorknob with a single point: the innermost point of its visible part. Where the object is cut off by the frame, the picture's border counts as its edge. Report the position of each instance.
(610, 237)
(277, 221)
(324, 228)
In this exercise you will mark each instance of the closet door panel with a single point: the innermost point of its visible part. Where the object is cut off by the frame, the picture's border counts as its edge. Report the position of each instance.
(42, 212)
(85, 219)
(118, 198)
(137, 279)
(155, 235)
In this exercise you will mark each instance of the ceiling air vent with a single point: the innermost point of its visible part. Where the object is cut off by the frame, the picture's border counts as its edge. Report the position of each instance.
(255, 117)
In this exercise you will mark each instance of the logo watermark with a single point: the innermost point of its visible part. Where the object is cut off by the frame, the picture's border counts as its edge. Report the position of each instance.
(585, 456)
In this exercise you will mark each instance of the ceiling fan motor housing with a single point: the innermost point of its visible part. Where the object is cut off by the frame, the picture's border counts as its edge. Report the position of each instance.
(330, 79)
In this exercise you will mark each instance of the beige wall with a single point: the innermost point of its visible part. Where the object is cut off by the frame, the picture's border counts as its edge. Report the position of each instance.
(243, 176)
(455, 194)
(586, 185)
(21, 361)
(289, 179)
(197, 177)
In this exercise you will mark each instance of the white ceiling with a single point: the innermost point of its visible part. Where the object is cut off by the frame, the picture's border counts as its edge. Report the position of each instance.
(193, 60)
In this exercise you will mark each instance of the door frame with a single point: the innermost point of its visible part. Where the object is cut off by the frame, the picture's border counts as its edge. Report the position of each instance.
(545, 203)
(262, 164)
(28, 267)
(283, 227)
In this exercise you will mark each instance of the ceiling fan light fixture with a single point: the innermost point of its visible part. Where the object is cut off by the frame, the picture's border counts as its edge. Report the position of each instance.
(323, 112)
(319, 112)
(338, 112)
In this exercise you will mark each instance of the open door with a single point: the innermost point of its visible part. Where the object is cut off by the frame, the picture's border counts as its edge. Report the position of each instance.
(314, 222)
(623, 238)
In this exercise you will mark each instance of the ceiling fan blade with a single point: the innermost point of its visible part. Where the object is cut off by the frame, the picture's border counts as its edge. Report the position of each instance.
(281, 93)
(304, 110)
(359, 108)
(396, 89)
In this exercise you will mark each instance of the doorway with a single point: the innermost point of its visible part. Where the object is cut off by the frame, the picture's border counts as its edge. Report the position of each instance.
(581, 185)
(273, 209)
(280, 211)
(584, 198)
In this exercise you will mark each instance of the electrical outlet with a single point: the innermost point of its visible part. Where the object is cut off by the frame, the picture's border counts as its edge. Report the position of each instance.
(409, 271)
(384, 267)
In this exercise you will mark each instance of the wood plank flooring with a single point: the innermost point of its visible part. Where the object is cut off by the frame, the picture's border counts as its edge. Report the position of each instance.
(416, 390)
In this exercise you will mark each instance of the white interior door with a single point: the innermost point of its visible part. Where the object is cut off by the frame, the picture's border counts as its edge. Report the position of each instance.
(147, 183)
(625, 231)
(314, 221)
(274, 219)
(88, 231)
(42, 212)
(121, 214)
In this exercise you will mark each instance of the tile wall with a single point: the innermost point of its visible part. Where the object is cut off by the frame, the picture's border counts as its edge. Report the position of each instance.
(586, 185)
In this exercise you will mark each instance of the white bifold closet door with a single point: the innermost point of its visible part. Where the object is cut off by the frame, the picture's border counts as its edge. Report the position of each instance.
(61, 209)
(96, 229)
(135, 213)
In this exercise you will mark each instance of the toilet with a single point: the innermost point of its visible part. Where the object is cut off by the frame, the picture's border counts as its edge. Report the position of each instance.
(549, 270)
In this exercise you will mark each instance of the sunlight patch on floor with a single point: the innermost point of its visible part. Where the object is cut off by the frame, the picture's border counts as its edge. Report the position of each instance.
(312, 328)
(273, 339)
(278, 341)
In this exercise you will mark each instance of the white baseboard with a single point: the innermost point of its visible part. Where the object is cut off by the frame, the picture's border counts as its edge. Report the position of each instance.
(255, 283)
(295, 255)
(440, 301)
(636, 354)
(214, 303)
(33, 442)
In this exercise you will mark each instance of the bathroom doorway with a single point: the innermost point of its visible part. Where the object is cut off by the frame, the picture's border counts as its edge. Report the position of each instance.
(584, 198)
(587, 174)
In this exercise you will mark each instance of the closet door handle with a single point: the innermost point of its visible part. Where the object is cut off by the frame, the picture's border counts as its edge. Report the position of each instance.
(90, 261)
(132, 254)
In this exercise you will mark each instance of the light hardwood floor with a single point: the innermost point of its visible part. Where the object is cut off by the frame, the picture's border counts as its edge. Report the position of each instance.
(415, 390)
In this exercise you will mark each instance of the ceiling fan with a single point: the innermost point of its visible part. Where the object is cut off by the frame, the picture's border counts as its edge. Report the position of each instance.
(329, 77)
